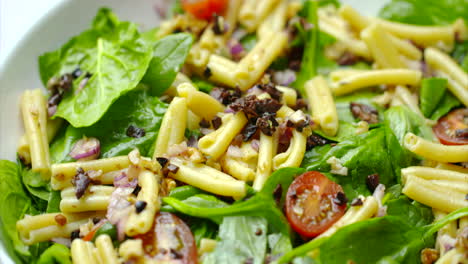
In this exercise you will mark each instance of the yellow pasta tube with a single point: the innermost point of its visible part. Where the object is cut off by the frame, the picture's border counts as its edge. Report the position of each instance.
(448, 166)
(435, 151)
(44, 227)
(294, 154)
(63, 173)
(34, 110)
(131, 249)
(141, 222)
(253, 65)
(440, 61)
(200, 103)
(208, 179)
(265, 157)
(198, 58)
(96, 198)
(222, 70)
(232, 12)
(376, 77)
(275, 21)
(323, 106)
(289, 96)
(238, 169)
(356, 20)
(432, 195)
(354, 214)
(408, 99)
(83, 252)
(381, 47)
(355, 46)
(338, 75)
(216, 143)
(428, 173)
(172, 129)
(105, 251)
(180, 78)
(252, 13)
(406, 48)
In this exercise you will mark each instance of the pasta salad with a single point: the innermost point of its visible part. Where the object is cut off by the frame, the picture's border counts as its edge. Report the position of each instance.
(239, 131)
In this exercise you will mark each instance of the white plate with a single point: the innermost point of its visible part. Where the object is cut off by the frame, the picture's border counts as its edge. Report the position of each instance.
(19, 71)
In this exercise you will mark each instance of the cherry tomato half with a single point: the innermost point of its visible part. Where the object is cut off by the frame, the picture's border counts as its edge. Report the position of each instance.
(204, 9)
(170, 240)
(311, 204)
(452, 129)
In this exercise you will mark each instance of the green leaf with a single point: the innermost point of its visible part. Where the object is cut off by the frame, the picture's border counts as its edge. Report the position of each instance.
(413, 213)
(402, 120)
(55, 254)
(241, 238)
(184, 192)
(202, 85)
(202, 229)
(136, 108)
(14, 203)
(106, 229)
(431, 93)
(168, 56)
(460, 53)
(249, 41)
(114, 53)
(53, 205)
(425, 12)
(260, 204)
(448, 102)
(279, 244)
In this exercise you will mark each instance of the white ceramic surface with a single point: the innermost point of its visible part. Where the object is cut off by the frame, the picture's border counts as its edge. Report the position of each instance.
(19, 69)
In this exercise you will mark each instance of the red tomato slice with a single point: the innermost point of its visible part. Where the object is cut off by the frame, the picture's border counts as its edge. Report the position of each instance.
(452, 129)
(170, 240)
(311, 204)
(204, 9)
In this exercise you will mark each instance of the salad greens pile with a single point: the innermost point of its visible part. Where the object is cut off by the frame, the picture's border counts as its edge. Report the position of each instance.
(124, 72)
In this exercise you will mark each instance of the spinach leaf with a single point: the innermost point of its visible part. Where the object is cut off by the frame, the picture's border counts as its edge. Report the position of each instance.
(202, 228)
(363, 155)
(460, 53)
(278, 244)
(202, 85)
(168, 56)
(448, 102)
(260, 204)
(14, 203)
(55, 254)
(403, 241)
(311, 38)
(425, 12)
(242, 239)
(184, 192)
(412, 212)
(53, 204)
(136, 108)
(345, 130)
(402, 120)
(431, 93)
(113, 53)
(249, 41)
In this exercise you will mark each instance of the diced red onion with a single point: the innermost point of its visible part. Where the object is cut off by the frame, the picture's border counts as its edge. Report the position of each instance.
(119, 209)
(86, 149)
(236, 49)
(229, 110)
(255, 144)
(285, 77)
(122, 181)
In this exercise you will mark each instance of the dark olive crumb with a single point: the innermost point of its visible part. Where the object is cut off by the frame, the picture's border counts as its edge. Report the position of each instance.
(137, 190)
(340, 199)
(372, 181)
(204, 123)
(75, 234)
(348, 58)
(248, 131)
(259, 232)
(315, 140)
(162, 161)
(226, 96)
(135, 132)
(140, 206)
(364, 112)
(216, 122)
(96, 220)
(207, 72)
(60, 219)
(77, 73)
(81, 182)
(356, 202)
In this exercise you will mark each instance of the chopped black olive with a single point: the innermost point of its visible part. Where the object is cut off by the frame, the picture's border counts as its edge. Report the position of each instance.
(270, 88)
(348, 58)
(162, 161)
(136, 190)
(248, 131)
(340, 199)
(140, 206)
(88, 75)
(96, 220)
(216, 122)
(207, 72)
(372, 181)
(259, 232)
(81, 182)
(204, 123)
(77, 73)
(75, 234)
(135, 132)
(315, 140)
(218, 27)
(226, 96)
(364, 112)
(356, 202)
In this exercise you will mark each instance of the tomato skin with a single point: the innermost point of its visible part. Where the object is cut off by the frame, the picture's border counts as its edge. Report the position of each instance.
(170, 240)
(446, 127)
(311, 206)
(204, 9)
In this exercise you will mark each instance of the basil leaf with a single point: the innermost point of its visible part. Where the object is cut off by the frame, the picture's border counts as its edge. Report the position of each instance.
(115, 55)
(168, 56)
(55, 254)
(136, 108)
(431, 93)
